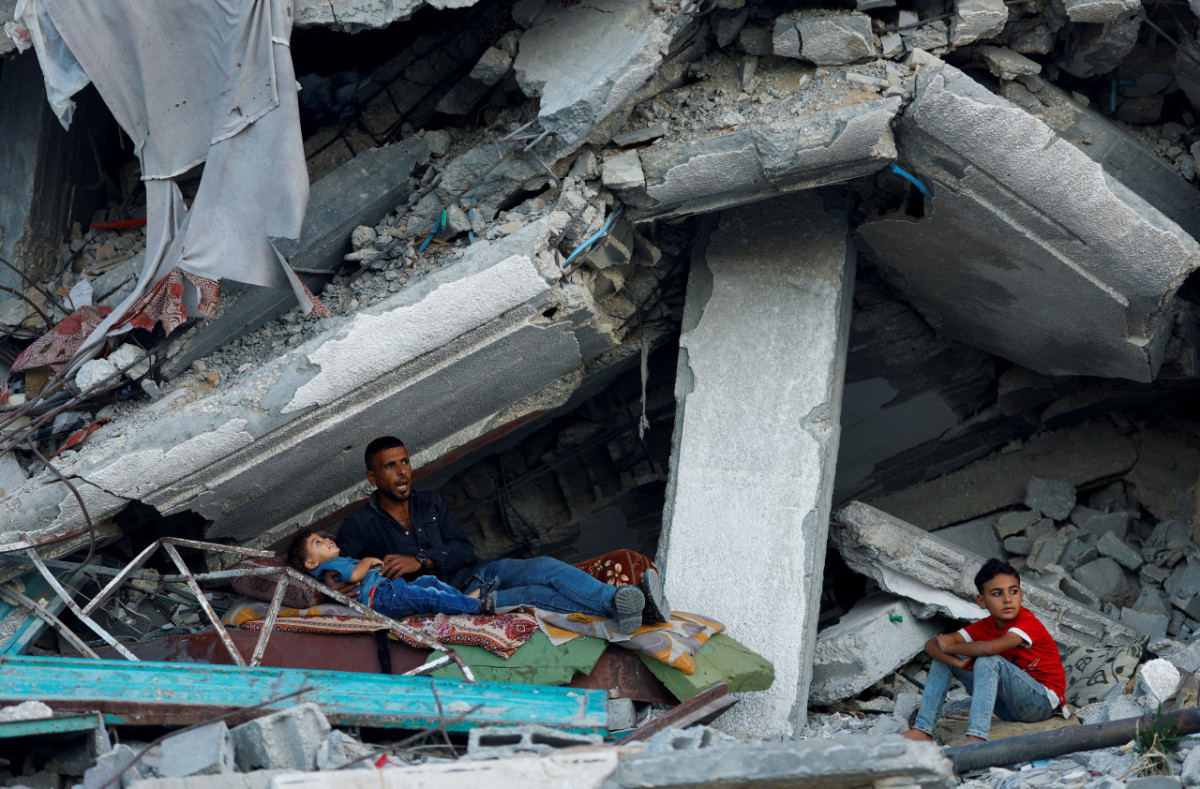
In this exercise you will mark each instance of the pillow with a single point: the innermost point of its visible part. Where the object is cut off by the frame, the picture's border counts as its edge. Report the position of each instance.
(262, 587)
(674, 643)
(1093, 671)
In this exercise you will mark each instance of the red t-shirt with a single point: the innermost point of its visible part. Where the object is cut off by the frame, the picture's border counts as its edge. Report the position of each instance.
(1037, 656)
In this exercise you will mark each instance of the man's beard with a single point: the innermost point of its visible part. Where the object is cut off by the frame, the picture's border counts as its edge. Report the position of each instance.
(388, 494)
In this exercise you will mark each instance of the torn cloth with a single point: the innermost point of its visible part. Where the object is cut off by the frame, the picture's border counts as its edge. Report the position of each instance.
(194, 81)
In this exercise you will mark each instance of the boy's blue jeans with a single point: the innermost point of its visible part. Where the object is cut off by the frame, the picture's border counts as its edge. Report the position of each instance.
(994, 685)
(424, 595)
(546, 583)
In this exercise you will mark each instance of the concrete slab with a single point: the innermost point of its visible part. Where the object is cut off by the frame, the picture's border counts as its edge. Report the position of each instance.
(769, 274)
(583, 60)
(353, 16)
(360, 192)
(461, 353)
(877, 636)
(1030, 250)
(872, 542)
(766, 160)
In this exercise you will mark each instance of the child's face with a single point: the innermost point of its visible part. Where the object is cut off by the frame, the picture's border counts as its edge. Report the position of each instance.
(1001, 597)
(319, 550)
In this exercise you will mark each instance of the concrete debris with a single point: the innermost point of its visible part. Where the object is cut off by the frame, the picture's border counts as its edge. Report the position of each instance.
(977, 19)
(742, 285)
(880, 633)
(824, 38)
(339, 749)
(1099, 11)
(495, 742)
(1053, 498)
(869, 540)
(1158, 680)
(286, 740)
(207, 750)
(25, 711)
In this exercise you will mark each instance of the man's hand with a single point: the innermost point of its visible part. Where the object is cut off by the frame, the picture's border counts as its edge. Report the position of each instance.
(350, 588)
(397, 564)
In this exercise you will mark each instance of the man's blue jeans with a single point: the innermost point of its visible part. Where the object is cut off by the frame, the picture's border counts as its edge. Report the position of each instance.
(546, 583)
(994, 684)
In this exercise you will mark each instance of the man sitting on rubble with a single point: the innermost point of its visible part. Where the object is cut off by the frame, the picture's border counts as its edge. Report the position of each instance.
(316, 554)
(415, 533)
(1007, 661)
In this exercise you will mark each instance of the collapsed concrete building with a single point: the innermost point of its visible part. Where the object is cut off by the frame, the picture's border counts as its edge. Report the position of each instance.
(698, 274)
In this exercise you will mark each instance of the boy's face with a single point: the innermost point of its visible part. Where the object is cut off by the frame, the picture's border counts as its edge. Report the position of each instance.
(319, 550)
(1001, 597)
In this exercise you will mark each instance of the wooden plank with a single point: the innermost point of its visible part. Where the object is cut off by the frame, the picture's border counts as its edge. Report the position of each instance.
(173, 694)
(59, 723)
(701, 708)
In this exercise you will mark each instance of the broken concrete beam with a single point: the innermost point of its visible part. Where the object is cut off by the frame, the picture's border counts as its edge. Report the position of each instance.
(489, 340)
(1006, 64)
(769, 273)
(825, 38)
(286, 740)
(1041, 273)
(760, 161)
(877, 636)
(583, 60)
(976, 19)
(1081, 455)
(361, 191)
(874, 544)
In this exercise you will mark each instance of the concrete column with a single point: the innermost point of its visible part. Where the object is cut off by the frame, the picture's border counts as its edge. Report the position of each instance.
(759, 387)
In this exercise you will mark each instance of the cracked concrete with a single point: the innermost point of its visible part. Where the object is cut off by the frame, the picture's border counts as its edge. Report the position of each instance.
(751, 481)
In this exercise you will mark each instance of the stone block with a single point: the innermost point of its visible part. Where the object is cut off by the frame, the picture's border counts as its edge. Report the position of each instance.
(1072, 304)
(1185, 581)
(877, 636)
(1014, 523)
(621, 714)
(890, 551)
(204, 751)
(286, 740)
(771, 272)
(1117, 549)
(623, 171)
(1053, 498)
(1148, 624)
(1105, 578)
(1019, 545)
(825, 38)
(500, 742)
(975, 19)
(1046, 550)
(1158, 680)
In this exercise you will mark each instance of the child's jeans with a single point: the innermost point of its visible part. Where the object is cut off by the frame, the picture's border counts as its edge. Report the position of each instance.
(994, 683)
(424, 595)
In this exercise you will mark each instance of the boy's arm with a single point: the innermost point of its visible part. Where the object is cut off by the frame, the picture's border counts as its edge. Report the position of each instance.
(939, 648)
(363, 567)
(974, 649)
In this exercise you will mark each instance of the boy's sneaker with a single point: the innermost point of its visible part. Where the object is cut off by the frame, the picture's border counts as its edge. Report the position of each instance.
(628, 603)
(657, 610)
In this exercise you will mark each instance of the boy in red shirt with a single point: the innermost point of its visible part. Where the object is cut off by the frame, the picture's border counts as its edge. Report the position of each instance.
(1007, 661)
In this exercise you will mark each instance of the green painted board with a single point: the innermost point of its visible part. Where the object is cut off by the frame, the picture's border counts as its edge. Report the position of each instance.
(722, 659)
(66, 723)
(537, 662)
(175, 693)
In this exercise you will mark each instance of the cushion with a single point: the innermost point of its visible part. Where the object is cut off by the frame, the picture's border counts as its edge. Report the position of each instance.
(1093, 671)
(262, 587)
(618, 568)
(673, 643)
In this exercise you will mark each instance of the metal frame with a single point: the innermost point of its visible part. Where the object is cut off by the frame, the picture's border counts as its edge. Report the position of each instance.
(170, 545)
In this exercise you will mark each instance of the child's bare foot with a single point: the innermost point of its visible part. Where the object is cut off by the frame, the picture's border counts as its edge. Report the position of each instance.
(474, 594)
(916, 735)
(971, 740)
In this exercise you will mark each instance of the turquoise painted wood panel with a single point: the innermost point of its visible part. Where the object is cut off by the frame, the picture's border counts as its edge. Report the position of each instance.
(11, 729)
(129, 692)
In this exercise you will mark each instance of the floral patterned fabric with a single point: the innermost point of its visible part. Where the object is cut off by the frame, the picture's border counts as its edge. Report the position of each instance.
(56, 347)
(618, 568)
(674, 643)
(164, 301)
(1093, 671)
(501, 635)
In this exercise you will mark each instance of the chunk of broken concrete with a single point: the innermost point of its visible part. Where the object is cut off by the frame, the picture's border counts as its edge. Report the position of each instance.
(1105, 578)
(877, 636)
(1072, 305)
(883, 547)
(1006, 64)
(1158, 679)
(207, 750)
(1099, 11)
(975, 19)
(283, 740)
(1053, 498)
(623, 172)
(825, 38)
(1109, 545)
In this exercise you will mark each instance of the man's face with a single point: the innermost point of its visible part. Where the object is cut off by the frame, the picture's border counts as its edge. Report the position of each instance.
(391, 474)
(1001, 597)
(318, 550)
